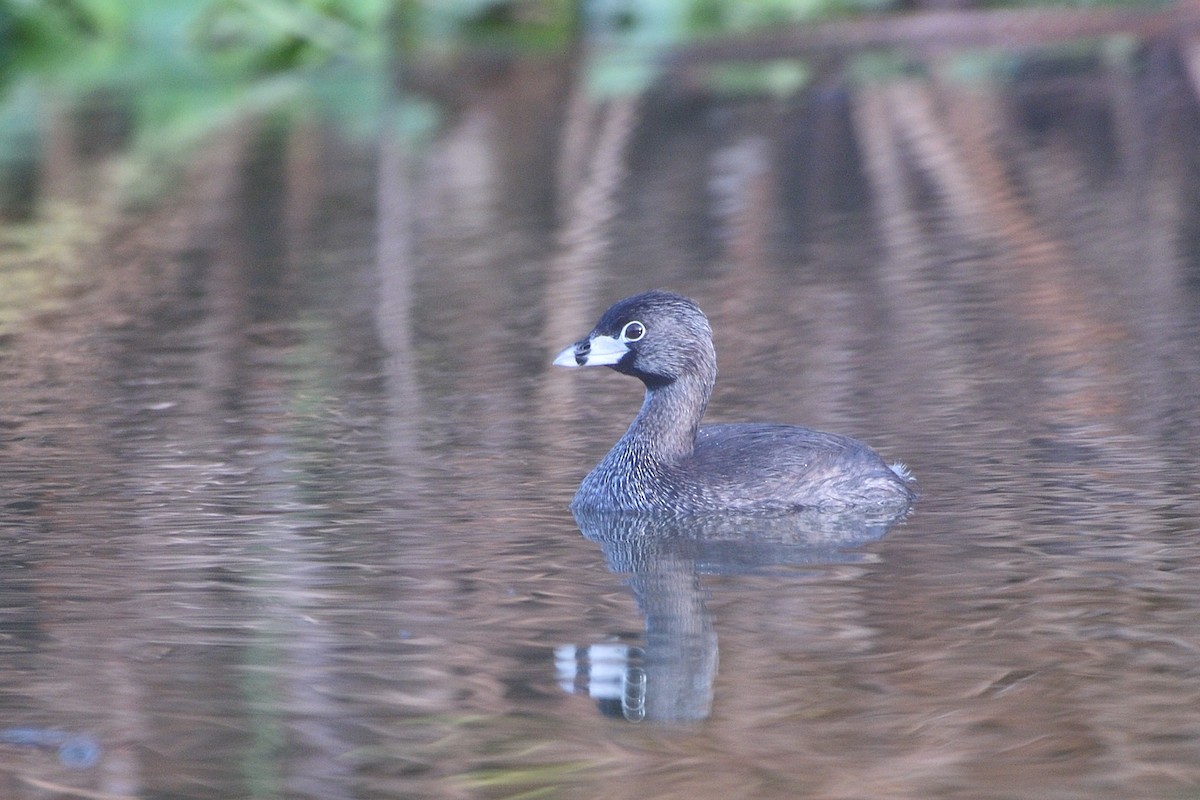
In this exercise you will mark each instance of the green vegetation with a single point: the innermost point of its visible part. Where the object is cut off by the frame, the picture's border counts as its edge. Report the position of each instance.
(179, 68)
(173, 71)
(183, 64)
(87, 41)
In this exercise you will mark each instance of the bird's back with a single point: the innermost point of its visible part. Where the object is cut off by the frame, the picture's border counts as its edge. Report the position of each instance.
(769, 465)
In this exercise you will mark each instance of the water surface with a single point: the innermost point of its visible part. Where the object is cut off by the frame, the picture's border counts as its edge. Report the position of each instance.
(284, 495)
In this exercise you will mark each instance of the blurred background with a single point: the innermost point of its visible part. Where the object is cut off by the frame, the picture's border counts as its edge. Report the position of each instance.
(284, 469)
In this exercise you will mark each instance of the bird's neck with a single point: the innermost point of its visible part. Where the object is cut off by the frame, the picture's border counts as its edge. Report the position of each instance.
(665, 427)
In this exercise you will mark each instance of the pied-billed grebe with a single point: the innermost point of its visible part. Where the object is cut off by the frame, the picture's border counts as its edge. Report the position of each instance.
(668, 462)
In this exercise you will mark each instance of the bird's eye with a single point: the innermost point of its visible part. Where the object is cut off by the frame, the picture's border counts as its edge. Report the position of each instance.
(633, 331)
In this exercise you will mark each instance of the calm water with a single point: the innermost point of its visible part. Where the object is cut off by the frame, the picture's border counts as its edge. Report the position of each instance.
(284, 491)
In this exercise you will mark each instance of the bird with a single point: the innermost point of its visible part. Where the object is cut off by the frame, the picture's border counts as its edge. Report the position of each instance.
(667, 462)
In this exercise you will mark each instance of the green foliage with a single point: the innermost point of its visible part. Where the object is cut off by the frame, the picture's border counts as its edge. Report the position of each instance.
(780, 79)
(179, 69)
(257, 36)
(32, 34)
(237, 38)
(720, 16)
(547, 25)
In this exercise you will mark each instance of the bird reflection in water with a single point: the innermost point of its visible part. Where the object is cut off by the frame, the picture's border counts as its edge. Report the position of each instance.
(669, 678)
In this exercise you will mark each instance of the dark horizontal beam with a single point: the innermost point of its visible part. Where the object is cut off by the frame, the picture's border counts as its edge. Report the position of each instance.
(1015, 28)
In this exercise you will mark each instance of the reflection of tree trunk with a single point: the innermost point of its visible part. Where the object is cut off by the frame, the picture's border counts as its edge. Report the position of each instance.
(1042, 287)
(1191, 60)
(895, 216)
(911, 104)
(744, 194)
(579, 122)
(917, 319)
(215, 258)
(60, 163)
(1159, 181)
(583, 236)
(394, 259)
(394, 218)
(304, 179)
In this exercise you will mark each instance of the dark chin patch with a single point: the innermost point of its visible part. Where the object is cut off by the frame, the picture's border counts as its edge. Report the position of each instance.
(627, 366)
(652, 380)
